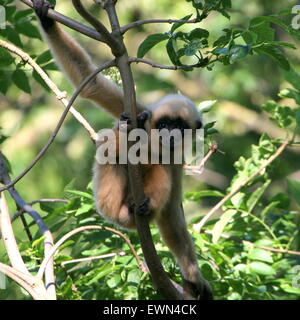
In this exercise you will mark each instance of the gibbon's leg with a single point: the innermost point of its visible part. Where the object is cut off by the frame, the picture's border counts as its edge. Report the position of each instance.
(157, 187)
(175, 234)
(77, 64)
(110, 189)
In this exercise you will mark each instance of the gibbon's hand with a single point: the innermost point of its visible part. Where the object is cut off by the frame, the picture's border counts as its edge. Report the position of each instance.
(142, 118)
(124, 117)
(41, 8)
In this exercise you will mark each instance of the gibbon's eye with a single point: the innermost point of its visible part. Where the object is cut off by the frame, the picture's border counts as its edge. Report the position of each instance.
(162, 123)
(198, 124)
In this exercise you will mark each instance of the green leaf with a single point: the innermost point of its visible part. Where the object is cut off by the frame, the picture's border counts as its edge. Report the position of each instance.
(263, 30)
(275, 54)
(80, 193)
(205, 106)
(44, 57)
(238, 52)
(5, 81)
(282, 44)
(28, 29)
(293, 78)
(84, 209)
(261, 255)
(289, 289)
(40, 80)
(36, 242)
(66, 286)
(264, 242)
(269, 208)
(150, 42)
(256, 195)
(221, 224)
(249, 37)
(22, 14)
(261, 268)
(269, 19)
(13, 36)
(198, 33)
(20, 79)
(176, 25)
(172, 53)
(294, 189)
(197, 195)
(51, 66)
(5, 58)
(192, 48)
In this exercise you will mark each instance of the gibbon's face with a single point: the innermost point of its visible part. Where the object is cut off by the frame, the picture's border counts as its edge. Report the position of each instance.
(175, 123)
(174, 114)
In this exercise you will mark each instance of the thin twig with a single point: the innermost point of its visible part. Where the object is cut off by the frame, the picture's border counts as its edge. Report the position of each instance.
(147, 21)
(68, 22)
(103, 256)
(59, 124)
(197, 227)
(20, 213)
(228, 237)
(161, 66)
(199, 168)
(108, 38)
(61, 96)
(81, 229)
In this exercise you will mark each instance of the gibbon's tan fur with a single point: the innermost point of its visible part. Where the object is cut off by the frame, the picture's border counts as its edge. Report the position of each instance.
(162, 183)
(77, 65)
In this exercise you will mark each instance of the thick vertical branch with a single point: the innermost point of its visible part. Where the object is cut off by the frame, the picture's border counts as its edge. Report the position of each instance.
(160, 279)
(9, 238)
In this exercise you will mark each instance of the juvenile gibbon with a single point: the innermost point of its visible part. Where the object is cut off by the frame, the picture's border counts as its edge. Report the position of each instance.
(162, 182)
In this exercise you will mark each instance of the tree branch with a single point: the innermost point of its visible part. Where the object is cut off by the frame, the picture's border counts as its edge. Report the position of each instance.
(59, 124)
(228, 237)
(31, 284)
(147, 21)
(48, 243)
(103, 256)
(81, 229)
(73, 24)
(61, 96)
(160, 278)
(197, 227)
(9, 239)
(161, 66)
(108, 38)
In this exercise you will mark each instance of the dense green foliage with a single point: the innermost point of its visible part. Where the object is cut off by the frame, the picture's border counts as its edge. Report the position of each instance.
(245, 58)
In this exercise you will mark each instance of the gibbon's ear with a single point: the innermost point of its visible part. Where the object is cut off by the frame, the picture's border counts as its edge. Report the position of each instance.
(199, 124)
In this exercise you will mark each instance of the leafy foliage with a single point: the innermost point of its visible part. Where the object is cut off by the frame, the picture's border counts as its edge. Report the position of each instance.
(240, 252)
(258, 38)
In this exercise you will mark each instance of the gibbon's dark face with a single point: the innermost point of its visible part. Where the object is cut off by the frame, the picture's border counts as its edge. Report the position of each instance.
(170, 124)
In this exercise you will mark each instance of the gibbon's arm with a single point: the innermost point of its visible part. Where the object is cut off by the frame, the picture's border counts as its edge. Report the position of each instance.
(77, 64)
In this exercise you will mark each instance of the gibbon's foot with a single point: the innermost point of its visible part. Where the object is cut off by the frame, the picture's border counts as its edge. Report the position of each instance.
(144, 207)
(131, 207)
(142, 118)
(41, 8)
(201, 290)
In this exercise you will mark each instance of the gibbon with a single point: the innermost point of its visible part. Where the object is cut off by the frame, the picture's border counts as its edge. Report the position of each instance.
(162, 182)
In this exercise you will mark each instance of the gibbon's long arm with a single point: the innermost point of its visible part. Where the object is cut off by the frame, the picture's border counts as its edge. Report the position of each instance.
(77, 65)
